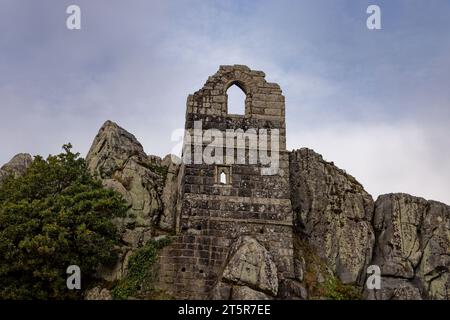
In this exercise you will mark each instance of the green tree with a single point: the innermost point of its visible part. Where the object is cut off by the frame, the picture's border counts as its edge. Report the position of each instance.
(54, 216)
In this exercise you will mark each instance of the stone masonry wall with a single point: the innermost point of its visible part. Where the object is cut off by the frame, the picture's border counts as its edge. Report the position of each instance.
(215, 216)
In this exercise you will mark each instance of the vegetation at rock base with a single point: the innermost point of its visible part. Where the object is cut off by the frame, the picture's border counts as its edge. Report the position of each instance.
(320, 281)
(334, 289)
(138, 283)
(53, 216)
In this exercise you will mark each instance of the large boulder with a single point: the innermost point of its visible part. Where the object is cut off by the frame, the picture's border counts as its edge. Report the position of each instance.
(146, 182)
(119, 160)
(246, 293)
(412, 248)
(17, 166)
(333, 213)
(251, 265)
(394, 289)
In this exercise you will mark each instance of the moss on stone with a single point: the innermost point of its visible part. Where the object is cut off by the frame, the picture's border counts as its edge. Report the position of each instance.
(319, 280)
(332, 288)
(140, 279)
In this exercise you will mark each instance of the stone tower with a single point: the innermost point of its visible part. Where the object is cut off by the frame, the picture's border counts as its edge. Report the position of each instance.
(235, 222)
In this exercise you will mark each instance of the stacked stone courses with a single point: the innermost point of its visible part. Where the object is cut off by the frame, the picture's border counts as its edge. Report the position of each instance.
(212, 215)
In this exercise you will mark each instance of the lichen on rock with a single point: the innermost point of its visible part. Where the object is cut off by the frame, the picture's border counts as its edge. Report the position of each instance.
(333, 212)
(16, 166)
(146, 182)
(412, 247)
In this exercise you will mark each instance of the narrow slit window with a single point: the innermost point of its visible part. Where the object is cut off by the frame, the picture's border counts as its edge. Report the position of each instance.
(223, 175)
(223, 178)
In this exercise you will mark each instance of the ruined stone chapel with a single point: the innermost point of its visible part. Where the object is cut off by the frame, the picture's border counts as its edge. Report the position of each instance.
(234, 224)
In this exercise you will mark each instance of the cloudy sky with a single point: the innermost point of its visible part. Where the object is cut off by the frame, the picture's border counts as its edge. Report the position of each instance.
(377, 103)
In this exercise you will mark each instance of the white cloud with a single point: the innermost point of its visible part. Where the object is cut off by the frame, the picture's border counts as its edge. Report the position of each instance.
(136, 63)
(384, 158)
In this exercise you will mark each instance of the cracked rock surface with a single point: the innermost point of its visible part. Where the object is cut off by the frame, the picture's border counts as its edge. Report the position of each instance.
(412, 247)
(333, 212)
(16, 166)
(407, 237)
(146, 182)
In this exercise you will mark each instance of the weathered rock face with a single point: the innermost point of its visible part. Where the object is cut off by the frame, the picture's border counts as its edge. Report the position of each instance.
(98, 293)
(246, 293)
(119, 160)
(16, 166)
(251, 265)
(407, 237)
(394, 289)
(226, 291)
(412, 248)
(249, 273)
(333, 212)
(170, 194)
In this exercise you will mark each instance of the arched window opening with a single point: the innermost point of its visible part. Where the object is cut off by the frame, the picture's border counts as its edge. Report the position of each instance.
(223, 175)
(236, 100)
(223, 178)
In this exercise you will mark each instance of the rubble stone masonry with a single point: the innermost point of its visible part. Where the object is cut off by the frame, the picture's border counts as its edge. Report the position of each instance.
(213, 215)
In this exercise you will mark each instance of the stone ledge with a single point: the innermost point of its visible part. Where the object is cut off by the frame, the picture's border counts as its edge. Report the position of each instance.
(236, 199)
(288, 223)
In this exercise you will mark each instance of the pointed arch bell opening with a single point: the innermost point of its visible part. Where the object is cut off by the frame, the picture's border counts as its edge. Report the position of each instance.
(236, 99)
